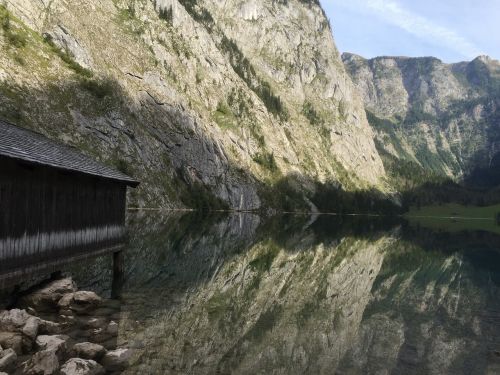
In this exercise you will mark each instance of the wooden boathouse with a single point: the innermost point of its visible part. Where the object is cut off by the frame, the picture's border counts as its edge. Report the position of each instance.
(55, 201)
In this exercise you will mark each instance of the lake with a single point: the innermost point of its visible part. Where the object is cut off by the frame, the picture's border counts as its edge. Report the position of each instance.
(241, 294)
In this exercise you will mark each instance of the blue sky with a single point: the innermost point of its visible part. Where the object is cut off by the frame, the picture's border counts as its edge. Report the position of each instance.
(452, 30)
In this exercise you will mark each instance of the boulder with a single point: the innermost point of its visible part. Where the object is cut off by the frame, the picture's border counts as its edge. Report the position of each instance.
(87, 350)
(8, 359)
(47, 297)
(117, 360)
(80, 302)
(30, 329)
(112, 329)
(12, 340)
(48, 327)
(55, 343)
(78, 366)
(91, 322)
(12, 320)
(44, 362)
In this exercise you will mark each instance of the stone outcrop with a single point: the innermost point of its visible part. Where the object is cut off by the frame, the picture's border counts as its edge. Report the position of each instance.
(75, 341)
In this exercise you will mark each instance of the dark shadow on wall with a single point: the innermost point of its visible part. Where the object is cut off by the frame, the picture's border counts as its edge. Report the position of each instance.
(150, 141)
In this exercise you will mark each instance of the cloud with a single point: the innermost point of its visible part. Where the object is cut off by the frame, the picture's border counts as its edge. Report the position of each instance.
(392, 12)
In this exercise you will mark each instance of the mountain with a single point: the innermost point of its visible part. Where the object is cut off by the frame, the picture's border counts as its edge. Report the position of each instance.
(206, 102)
(441, 119)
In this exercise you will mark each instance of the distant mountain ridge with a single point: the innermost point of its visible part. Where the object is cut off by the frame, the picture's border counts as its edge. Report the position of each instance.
(444, 118)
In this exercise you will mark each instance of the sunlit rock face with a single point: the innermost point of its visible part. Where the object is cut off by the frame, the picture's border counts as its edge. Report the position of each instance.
(244, 295)
(227, 95)
(443, 117)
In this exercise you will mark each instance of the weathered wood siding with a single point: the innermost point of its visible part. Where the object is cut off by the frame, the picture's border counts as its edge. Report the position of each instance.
(45, 212)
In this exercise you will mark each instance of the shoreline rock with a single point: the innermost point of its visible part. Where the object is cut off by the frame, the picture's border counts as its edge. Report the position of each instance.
(57, 329)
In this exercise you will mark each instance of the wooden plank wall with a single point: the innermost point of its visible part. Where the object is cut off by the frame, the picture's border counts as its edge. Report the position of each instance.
(47, 213)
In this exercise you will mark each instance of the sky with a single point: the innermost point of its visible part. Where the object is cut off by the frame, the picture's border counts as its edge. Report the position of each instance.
(451, 30)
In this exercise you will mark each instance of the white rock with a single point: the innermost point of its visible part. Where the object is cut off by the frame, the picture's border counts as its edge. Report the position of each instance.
(78, 366)
(56, 343)
(30, 329)
(117, 360)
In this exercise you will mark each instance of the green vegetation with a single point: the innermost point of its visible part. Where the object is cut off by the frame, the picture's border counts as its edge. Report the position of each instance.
(166, 14)
(100, 88)
(14, 36)
(331, 198)
(455, 218)
(310, 113)
(124, 167)
(200, 198)
(245, 70)
(224, 116)
(198, 13)
(11, 102)
(127, 14)
(265, 257)
(266, 160)
(238, 61)
(66, 56)
(456, 211)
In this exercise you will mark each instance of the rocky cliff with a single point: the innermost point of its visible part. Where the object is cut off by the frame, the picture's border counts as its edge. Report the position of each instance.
(195, 98)
(444, 117)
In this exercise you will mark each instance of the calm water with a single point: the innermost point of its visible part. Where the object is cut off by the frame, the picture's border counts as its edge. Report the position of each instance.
(303, 295)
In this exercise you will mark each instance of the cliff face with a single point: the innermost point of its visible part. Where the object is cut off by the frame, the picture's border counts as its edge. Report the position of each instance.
(191, 97)
(442, 116)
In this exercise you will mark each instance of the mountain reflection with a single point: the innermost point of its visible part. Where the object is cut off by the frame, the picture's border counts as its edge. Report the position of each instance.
(299, 294)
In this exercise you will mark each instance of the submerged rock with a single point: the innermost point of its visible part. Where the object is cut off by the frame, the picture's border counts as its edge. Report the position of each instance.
(56, 344)
(87, 350)
(43, 362)
(78, 366)
(46, 298)
(80, 302)
(117, 360)
(8, 359)
(12, 320)
(30, 329)
(12, 340)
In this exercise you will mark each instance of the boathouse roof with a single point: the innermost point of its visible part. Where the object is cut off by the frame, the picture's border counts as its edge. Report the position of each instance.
(34, 148)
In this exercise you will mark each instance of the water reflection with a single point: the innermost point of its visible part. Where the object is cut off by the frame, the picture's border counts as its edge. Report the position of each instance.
(296, 295)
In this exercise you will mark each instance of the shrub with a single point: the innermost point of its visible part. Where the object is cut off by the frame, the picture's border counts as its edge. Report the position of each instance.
(14, 37)
(99, 88)
(246, 72)
(266, 160)
(66, 56)
(167, 14)
(310, 113)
